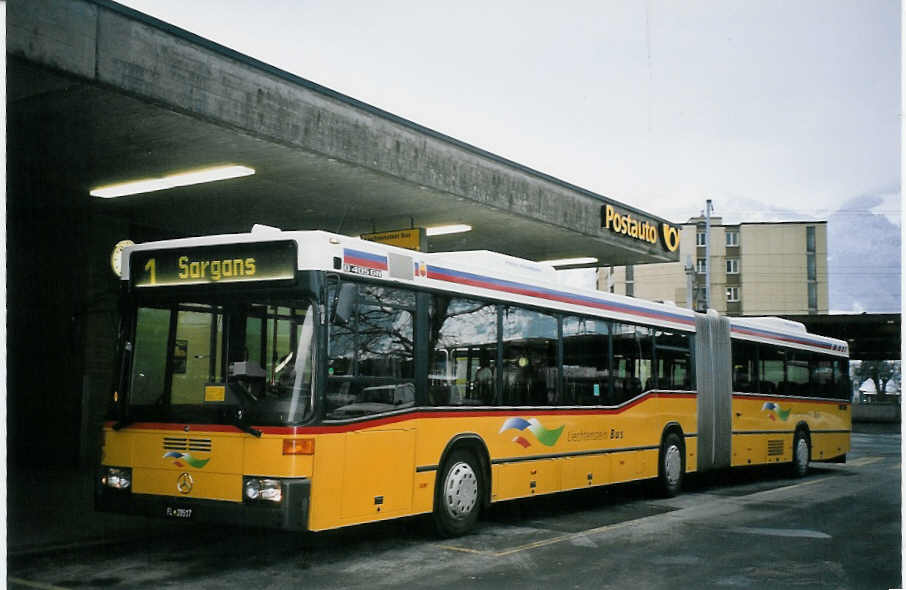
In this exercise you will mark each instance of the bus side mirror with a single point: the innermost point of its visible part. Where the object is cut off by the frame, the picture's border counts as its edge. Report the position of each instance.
(344, 303)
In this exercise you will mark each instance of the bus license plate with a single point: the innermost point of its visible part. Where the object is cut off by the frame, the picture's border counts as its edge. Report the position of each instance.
(181, 513)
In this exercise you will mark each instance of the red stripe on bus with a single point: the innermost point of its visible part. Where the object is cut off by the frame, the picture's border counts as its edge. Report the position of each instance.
(560, 297)
(415, 415)
(760, 333)
(774, 398)
(181, 426)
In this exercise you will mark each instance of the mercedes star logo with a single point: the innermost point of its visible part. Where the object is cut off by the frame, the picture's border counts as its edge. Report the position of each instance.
(184, 483)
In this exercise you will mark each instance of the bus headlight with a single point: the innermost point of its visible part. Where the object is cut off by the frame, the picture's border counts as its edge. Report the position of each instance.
(261, 489)
(118, 478)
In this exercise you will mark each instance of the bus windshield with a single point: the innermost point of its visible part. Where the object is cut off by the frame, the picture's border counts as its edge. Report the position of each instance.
(195, 361)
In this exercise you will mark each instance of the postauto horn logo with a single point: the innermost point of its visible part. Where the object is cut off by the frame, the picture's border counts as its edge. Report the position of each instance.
(670, 236)
(546, 437)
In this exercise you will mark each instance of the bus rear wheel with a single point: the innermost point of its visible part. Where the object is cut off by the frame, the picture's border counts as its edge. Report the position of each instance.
(801, 454)
(671, 466)
(457, 495)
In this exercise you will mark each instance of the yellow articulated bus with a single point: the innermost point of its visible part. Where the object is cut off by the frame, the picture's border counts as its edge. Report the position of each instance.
(309, 381)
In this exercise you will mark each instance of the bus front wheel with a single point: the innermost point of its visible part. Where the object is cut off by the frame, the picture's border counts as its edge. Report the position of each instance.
(457, 497)
(670, 469)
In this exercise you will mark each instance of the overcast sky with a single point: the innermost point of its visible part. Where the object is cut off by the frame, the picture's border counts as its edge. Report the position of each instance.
(775, 109)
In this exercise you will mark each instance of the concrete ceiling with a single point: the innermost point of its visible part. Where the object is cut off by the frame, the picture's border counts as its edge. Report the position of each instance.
(98, 133)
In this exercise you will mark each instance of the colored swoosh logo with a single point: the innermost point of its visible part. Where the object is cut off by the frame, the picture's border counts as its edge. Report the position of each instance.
(547, 437)
(188, 458)
(777, 410)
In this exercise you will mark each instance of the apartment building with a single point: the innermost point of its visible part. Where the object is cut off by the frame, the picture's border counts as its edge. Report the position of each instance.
(756, 269)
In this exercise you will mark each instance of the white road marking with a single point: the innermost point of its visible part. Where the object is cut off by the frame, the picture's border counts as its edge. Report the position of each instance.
(798, 533)
(865, 461)
(31, 584)
(785, 488)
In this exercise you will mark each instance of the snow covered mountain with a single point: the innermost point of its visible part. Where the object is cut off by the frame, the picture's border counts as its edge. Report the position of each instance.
(864, 264)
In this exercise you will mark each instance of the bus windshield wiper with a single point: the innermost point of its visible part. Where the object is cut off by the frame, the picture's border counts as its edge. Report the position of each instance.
(238, 420)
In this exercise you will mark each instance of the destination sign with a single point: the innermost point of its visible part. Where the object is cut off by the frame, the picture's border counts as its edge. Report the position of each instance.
(222, 263)
(633, 226)
(413, 238)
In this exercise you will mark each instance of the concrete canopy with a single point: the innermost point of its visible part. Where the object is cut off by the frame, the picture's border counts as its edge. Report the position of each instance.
(110, 95)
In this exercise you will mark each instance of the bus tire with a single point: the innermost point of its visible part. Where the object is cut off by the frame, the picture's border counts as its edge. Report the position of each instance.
(457, 495)
(671, 465)
(802, 450)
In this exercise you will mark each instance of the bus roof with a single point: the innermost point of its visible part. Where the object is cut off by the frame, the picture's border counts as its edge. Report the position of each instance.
(784, 332)
(491, 275)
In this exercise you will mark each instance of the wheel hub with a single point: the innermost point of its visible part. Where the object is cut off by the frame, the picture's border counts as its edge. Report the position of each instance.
(460, 490)
(802, 453)
(673, 464)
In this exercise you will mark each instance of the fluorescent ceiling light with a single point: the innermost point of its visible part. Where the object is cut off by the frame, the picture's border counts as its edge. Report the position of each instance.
(440, 230)
(147, 185)
(570, 261)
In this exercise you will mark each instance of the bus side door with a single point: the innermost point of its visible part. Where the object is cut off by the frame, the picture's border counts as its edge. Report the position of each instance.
(378, 474)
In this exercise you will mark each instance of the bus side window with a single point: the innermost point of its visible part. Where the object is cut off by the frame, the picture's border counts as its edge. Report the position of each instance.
(632, 360)
(674, 360)
(770, 370)
(371, 357)
(842, 386)
(821, 370)
(745, 363)
(531, 375)
(797, 372)
(462, 341)
(586, 361)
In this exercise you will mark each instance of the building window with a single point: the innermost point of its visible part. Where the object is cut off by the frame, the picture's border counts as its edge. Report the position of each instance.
(810, 238)
(732, 237)
(732, 294)
(813, 297)
(700, 238)
(732, 266)
(701, 265)
(810, 265)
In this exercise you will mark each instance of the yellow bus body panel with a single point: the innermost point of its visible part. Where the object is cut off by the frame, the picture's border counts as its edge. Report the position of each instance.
(216, 461)
(763, 428)
(388, 467)
(362, 473)
(264, 456)
(327, 481)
